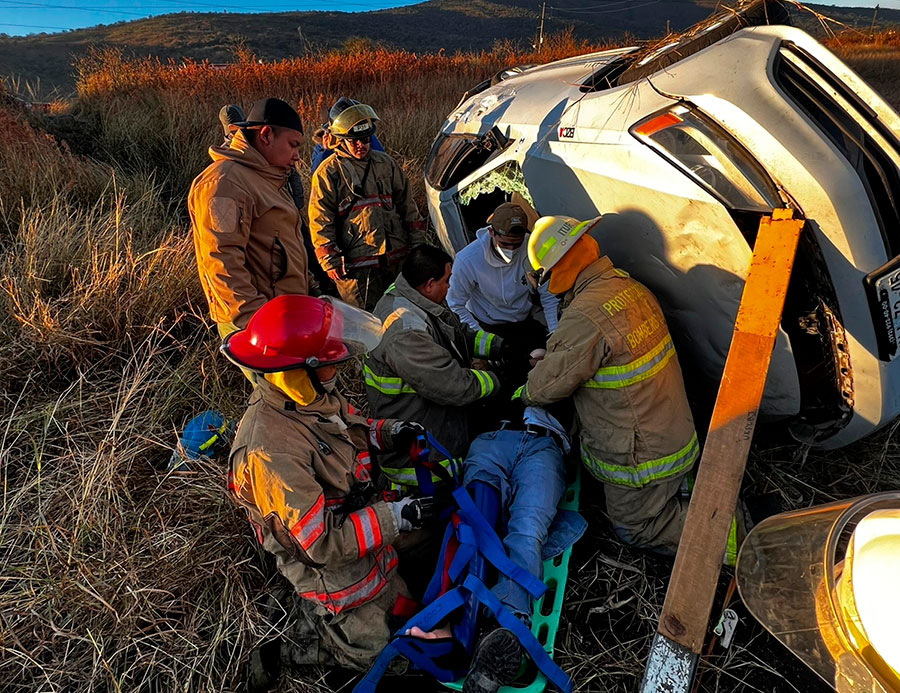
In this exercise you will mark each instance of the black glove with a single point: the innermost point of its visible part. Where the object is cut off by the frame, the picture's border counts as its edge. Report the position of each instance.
(412, 513)
(405, 433)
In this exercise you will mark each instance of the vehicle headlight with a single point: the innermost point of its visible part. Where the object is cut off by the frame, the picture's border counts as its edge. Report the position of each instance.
(711, 156)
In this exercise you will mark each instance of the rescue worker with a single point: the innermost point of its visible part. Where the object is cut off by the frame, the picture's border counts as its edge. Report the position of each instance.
(229, 116)
(300, 468)
(246, 227)
(421, 371)
(489, 289)
(361, 212)
(612, 353)
(325, 143)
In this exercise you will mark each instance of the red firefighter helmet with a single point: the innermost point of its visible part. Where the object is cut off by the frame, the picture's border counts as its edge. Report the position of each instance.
(295, 331)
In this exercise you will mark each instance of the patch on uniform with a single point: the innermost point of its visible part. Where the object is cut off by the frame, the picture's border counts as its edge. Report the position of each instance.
(408, 319)
(223, 213)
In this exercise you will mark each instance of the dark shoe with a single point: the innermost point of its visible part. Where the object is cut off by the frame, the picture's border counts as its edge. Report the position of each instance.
(495, 663)
(264, 667)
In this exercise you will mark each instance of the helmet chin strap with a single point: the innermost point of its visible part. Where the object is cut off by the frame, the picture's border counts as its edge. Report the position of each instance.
(314, 379)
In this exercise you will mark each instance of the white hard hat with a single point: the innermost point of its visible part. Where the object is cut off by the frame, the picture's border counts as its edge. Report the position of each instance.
(838, 616)
(552, 237)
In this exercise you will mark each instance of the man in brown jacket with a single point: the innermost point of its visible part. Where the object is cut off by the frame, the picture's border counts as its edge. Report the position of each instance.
(361, 212)
(300, 468)
(613, 354)
(246, 226)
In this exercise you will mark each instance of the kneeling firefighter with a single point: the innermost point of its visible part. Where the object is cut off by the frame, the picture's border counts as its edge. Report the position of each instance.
(300, 467)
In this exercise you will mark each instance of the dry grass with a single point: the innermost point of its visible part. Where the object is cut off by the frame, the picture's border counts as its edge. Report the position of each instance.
(116, 575)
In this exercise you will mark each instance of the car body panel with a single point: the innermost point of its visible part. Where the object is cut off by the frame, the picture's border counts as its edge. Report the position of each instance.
(579, 157)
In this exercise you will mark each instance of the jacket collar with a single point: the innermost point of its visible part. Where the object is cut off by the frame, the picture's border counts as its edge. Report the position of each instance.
(402, 287)
(241, 151)
(589, 273)
(322, 408)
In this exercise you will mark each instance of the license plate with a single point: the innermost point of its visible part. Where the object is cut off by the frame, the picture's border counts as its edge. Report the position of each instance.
(884, 297)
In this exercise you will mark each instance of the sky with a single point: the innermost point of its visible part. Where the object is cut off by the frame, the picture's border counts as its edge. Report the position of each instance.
(19, 17)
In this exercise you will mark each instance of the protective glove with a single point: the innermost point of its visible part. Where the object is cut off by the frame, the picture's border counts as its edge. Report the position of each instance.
(335, 275)
(412, 513)
(405, 433)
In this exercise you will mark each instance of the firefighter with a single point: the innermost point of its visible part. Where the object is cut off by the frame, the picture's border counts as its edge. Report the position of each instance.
(422, 370)
(300, 468)
(361, 212)
(611, 351)
(246, 226)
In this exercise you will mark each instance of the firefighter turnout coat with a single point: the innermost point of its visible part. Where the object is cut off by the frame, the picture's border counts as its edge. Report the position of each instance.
(421, 371)
(361, 213)
(246, 233)
(297, 472)
(612, 351)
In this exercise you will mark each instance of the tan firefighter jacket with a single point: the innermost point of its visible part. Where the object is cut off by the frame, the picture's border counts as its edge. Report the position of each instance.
(361, 212)
(246, 233)
(420, 371)
(293, 469)
(612, 352)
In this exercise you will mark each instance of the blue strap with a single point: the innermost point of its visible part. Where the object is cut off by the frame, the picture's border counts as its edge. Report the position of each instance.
(464, 554)
(491, 548)
(443, 452)
(426, 619)
(434, 585)
(369, 682)
(525, 637)
(426, 655)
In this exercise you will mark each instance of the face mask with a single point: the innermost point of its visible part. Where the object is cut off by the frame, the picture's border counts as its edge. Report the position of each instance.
(329, 385)
(506, 254)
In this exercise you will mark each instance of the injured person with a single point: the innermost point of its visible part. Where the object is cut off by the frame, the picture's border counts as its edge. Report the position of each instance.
(516, 476)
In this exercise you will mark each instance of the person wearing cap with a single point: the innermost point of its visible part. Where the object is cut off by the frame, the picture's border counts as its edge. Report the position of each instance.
(612, 353)
(324, 142)
(229, 116)
(489, 287)
(300, 467)
(361, 211)
(422, 369)
(245, 224)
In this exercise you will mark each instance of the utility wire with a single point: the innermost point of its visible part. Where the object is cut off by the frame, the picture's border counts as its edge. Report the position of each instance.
(589, 11)
(22, 3)
(35, 26)
(604, 5)
(149, 13)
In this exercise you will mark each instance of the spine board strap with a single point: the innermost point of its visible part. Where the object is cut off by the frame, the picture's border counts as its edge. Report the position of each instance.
(475, 537)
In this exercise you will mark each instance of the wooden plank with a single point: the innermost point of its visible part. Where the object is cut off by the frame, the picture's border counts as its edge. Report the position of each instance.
(683, 622)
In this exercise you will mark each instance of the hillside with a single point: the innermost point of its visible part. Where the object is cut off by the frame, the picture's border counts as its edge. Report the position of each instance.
(45, 61)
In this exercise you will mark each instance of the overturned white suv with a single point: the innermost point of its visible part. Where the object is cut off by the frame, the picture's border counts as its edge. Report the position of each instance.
(683, 149)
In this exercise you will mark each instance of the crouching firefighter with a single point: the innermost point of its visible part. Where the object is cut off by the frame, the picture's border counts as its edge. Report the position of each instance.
(300, 467)
(612, 353)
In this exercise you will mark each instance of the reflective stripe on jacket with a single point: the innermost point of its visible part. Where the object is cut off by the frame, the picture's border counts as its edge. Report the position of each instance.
(292, 468)
(246, 231)
(420, 369)
(613, 353)
(356, 217)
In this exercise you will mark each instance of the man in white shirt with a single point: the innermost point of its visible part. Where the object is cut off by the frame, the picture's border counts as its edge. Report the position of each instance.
(489, 287)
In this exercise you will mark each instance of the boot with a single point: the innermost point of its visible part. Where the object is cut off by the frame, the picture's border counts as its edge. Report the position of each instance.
(495, 662)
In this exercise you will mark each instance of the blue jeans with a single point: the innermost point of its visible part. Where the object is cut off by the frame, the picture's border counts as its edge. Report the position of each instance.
(529, 473)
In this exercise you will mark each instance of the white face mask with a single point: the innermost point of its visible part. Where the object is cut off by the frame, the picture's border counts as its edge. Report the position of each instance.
(506, 254)
(329, 385)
